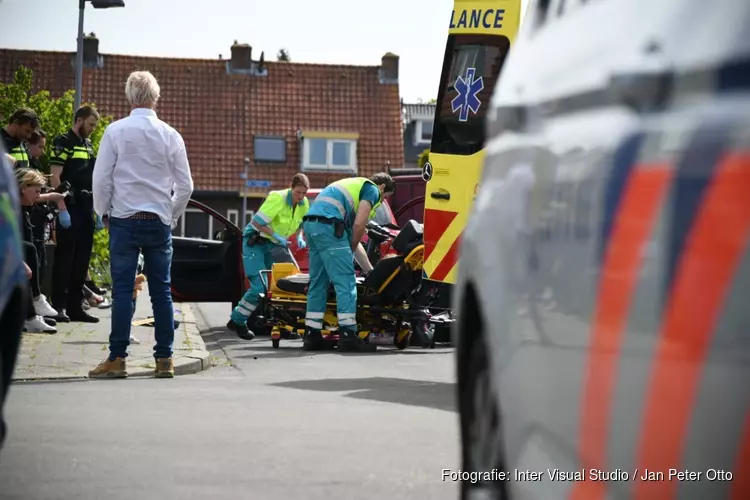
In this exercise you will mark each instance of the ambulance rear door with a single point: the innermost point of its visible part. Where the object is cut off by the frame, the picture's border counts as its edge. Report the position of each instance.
(479, 39)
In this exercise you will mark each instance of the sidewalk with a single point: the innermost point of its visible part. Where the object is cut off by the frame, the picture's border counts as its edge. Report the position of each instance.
(76, 348)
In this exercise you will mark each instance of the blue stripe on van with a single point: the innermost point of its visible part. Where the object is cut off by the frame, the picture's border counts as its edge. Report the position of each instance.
(693, 174)
(624, 160)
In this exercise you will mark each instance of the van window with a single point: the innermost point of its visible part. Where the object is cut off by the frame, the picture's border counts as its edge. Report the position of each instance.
(471, 69)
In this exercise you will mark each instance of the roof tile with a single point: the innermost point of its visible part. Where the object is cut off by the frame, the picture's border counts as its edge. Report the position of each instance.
(218, 113)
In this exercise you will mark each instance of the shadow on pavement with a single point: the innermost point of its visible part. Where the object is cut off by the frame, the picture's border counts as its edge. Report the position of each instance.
(87, 342)
(437, 395)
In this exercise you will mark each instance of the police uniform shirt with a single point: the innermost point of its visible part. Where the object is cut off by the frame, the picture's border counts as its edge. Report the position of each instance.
(17, 149)
(75, 156)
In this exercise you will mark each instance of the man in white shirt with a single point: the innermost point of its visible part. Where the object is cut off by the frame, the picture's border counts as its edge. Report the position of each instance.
(141, 187)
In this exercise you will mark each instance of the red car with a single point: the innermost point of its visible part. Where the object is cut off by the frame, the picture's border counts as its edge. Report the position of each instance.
(383, 217)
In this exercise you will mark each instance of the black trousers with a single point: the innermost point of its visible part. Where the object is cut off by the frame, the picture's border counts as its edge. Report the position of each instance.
(39, 221)
(31, 259)
(11, 323)
(72, 256)
(31, 256)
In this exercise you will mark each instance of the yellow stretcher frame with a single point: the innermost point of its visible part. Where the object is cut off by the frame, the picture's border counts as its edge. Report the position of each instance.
(414, 260)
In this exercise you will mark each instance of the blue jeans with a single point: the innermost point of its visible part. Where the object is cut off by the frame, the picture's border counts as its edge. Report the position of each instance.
(331, 261)
(128, 237)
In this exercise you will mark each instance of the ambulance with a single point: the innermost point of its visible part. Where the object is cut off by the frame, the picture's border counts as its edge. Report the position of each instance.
(480, 34)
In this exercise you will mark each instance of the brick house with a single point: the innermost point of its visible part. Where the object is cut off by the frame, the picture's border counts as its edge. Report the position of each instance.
(328, 121)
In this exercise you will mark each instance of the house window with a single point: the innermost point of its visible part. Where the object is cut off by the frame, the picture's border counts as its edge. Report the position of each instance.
(233, 215)
(269, 149)
(423, 131)
(330, 154)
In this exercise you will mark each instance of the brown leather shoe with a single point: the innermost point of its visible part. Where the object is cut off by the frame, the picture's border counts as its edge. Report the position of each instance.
(164, 368)
(110, 369)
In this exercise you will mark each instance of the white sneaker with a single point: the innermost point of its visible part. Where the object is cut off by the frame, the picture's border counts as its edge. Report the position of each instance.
(134, 340)
(37, 325)
(42, 307)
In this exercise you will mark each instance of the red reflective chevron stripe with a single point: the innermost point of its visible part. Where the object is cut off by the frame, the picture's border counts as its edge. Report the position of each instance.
(741, 480)
(435, 224)
(445, 266)
(712, 252)
(636, 216)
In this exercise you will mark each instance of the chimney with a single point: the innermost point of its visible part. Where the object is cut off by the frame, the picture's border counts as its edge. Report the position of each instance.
(90, 50)
(242, 56)
(389, 67)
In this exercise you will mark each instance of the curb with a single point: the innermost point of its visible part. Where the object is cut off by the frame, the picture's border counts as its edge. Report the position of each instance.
(188, 360)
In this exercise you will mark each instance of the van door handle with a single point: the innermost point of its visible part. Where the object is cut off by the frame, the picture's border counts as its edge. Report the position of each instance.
(440, 196)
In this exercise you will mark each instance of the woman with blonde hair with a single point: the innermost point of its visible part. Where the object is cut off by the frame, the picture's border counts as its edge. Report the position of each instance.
(30, 183)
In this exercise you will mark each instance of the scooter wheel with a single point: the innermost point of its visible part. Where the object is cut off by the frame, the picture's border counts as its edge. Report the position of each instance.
(275, 343)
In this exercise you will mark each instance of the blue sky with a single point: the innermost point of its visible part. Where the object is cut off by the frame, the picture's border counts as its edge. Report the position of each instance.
(325, 31)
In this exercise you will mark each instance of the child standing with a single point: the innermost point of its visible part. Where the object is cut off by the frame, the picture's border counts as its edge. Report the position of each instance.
(140, 279)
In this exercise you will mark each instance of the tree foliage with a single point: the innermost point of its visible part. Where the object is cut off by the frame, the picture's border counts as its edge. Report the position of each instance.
(283, 56)
(423, 157)
(56, 117)
(55, 114)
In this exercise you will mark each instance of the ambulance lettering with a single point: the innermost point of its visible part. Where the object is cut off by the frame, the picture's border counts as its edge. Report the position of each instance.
(489, 18)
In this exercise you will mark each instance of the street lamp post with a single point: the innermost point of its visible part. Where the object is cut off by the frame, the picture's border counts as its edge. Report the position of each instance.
(97, 4)
(245, 176)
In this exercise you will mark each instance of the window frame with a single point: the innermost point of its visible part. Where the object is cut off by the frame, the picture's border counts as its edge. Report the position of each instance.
(329, 166)
(236, 213)
(419, 132)
(197, 211)
(279, 138)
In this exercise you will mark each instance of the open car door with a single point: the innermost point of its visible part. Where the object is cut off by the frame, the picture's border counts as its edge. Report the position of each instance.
(207, 259)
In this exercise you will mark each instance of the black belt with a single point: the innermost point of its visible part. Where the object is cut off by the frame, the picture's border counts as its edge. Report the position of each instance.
(143, 216)
(318, 218)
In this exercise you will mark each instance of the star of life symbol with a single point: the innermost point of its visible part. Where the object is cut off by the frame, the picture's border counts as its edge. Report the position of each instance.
(467, 99)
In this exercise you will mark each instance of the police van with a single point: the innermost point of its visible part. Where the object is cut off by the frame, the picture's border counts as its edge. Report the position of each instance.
(602, 297)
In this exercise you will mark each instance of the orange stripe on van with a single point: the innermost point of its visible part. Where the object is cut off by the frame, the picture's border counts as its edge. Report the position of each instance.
(741, 473)
(636, 216)
(712, 251)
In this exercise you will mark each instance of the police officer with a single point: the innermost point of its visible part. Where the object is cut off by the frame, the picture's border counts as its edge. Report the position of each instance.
(72, 161)
(334, 227)
(23, 122)
(279, 217)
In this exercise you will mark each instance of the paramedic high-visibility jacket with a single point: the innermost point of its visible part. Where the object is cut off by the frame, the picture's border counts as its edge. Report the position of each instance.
(284, 217)
(278, 213)
(331, 257)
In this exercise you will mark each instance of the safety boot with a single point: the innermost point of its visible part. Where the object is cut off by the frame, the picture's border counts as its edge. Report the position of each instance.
(313, 340)
(242, 331)
(350, 342)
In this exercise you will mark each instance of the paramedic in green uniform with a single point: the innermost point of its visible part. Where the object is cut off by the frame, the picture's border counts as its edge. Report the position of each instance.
(277, 219)
(334, 228)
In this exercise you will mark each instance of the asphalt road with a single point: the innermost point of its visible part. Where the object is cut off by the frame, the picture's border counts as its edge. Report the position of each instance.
(261, 424)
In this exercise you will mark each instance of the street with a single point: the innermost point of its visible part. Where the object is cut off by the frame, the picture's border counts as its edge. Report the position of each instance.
(260, 423)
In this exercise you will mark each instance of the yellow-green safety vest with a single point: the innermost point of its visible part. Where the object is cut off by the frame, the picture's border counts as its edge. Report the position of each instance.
(21, 154)
(278, 213)
(351, 188)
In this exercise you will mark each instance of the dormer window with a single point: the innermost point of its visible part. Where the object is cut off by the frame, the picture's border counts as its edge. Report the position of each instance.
(423, 132)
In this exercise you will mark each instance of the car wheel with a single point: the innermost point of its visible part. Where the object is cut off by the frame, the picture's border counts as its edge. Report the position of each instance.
(481, 430)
